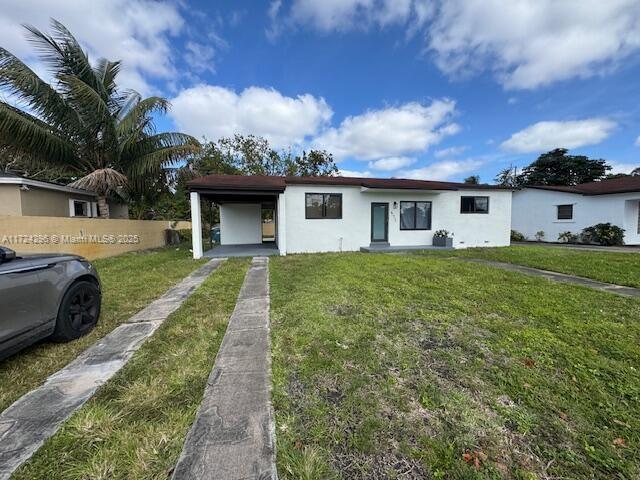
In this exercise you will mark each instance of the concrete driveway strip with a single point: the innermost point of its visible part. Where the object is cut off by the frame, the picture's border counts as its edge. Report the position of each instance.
(233, 435)
(561, 277)
(37, 415)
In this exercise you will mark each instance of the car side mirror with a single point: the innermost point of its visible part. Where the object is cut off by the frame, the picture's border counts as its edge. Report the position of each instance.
(6, 254)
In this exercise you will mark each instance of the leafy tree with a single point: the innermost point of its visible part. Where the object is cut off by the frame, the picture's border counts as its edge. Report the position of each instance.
(316, 163)
(472, 180)
(558, 168)
(508, 177)
(635, 172)
(84, 124)
(251, 155)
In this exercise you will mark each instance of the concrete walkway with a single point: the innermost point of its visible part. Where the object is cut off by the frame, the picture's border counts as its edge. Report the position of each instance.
(561, 277)
(233, 435)
(37, 415)
(577, 246)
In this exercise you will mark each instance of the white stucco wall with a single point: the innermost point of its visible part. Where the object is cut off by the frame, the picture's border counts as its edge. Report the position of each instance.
(534, 210)
(353, 230)
(240, 224)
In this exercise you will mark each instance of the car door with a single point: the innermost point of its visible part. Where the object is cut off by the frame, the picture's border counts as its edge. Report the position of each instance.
(20, 309)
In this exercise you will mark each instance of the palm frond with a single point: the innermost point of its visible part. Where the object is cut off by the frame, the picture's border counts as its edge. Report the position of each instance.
(159, 141)
(29, 134)
(156, 160)
(102, 181)
(107, 71)
(22, 82)
(158, 151)
(139, 112)
(63, 54)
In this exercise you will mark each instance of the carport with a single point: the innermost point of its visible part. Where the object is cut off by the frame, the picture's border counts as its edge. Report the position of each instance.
(251, 214)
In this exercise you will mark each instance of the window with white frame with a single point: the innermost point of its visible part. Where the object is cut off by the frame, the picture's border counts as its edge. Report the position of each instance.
(565, 212)
(80, 208)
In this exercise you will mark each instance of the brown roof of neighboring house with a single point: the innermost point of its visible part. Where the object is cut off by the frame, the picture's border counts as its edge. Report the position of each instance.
(603, 187)
(278, 183)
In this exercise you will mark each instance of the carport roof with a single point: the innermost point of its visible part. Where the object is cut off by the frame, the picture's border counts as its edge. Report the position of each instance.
(277, 184)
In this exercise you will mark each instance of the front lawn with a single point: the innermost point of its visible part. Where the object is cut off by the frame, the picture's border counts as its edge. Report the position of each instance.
(407, 366)
(129, 283)
(610, 267)
(135, 426)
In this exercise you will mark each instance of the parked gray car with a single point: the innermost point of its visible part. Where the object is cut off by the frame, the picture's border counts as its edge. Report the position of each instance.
(56, 296)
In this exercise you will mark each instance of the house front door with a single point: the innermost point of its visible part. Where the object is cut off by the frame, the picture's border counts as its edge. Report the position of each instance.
(379, 222)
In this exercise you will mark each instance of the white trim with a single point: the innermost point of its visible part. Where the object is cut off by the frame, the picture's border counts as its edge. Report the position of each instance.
(281, 225)
(72, 210)
(45, 185)
(196, 225)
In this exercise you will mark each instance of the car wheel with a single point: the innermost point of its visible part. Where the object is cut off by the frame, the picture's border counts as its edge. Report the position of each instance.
(79, 312)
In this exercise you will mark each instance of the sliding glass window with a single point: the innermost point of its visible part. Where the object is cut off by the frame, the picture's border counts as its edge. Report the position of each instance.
(415, 215)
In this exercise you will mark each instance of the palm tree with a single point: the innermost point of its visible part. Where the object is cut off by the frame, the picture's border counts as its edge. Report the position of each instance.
(82, 121)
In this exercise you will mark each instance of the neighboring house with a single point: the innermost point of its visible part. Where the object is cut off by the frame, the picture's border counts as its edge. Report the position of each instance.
(555, 210)
(20, 196)
(334, 214)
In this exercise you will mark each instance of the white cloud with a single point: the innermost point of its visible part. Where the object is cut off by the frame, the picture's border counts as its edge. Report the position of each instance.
(216, 112)
(391, 163)
(354, 173)
(542, 42)
(623, 167)
(638, 141)
(526, 43)
(137, 32)
(443, 170)
(331, 15)
(450, 152)
(200, 56)
(390, 132)
(543, 136)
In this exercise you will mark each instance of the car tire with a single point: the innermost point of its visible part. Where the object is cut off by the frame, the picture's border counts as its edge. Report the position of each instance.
(79, 311)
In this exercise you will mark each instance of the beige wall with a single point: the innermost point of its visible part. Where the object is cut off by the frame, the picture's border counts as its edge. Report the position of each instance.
(48, 203)
(42, 202)
(89, 237)
(118, 210)
(10, 200)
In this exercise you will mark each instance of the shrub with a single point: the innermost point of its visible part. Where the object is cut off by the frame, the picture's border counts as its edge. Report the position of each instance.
(539, 236)
(441, 234)
(568, 237)
(603, 234)
(185, 235)
(516, 236)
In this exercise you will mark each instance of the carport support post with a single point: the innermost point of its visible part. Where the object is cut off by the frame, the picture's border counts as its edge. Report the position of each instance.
(281, 225)
(196, 226)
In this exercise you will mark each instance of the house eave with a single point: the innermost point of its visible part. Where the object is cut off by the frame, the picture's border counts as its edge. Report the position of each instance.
(44, 185)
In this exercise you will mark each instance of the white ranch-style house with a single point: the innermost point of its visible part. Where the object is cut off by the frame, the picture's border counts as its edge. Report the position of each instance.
(340, 214)
(554, 210)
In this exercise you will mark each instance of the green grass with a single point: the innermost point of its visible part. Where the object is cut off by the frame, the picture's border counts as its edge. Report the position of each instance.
(404, 366)
(135, 426)
(610, 267)
(129, 282)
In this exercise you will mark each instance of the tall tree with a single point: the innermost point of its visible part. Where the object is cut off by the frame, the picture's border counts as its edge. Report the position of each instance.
(83, 123)
(508, 177)
(472, 180)
(558, 168)
(252, 155)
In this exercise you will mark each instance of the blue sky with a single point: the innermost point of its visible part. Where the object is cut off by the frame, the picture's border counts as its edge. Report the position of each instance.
(407, 88)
